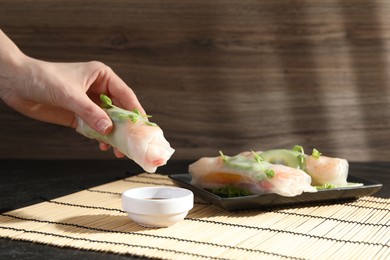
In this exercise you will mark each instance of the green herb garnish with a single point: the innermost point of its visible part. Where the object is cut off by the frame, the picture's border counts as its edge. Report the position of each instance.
(107, 102)
(250, 165)
(258, 159)
(325, 186)
(268, 172)
(301, 157)
(224, 157)
(299, 149)
(122, 114)
(316, 154)
(239, 162)
(230, 191)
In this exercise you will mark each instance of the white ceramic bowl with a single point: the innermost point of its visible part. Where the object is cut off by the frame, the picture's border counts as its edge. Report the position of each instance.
(157, 206)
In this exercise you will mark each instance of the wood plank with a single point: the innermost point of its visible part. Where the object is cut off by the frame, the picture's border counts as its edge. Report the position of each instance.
(220, 75)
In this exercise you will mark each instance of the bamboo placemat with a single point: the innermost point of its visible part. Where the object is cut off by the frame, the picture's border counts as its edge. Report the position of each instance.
(92, 219)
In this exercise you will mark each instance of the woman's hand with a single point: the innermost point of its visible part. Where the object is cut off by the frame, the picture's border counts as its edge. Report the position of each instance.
(57, 92)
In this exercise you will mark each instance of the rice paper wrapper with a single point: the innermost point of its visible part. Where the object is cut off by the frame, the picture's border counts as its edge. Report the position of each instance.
(213, 172)
(143, 143)
(327, 170)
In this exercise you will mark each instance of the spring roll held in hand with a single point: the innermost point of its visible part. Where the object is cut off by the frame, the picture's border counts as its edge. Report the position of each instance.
(133, 135)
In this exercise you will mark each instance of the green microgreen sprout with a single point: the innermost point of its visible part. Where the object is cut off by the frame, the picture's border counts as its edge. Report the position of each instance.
(107, 102)
(316, 154)
(150, 123)
(268, 172)
(258, 159)
(299, 149)
(301, 157)
(224, 158)
(325, 186)
(134, 115)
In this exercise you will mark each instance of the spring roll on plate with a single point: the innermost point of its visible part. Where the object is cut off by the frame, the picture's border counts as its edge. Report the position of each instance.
(323, 170)
(133, 135)
(327, 170)
(250, 173)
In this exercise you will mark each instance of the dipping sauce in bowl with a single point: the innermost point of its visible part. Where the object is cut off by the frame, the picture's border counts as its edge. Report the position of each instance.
(157, 206)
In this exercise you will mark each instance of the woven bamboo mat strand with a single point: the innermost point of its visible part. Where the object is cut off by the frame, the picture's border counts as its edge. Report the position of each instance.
(92, 219)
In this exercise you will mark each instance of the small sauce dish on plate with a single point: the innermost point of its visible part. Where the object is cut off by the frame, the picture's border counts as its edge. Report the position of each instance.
(157, 206)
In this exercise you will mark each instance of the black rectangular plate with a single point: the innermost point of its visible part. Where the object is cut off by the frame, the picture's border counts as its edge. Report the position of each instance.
(274, 200)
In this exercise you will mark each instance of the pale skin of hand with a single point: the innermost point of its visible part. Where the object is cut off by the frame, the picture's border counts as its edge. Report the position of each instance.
(57, 92)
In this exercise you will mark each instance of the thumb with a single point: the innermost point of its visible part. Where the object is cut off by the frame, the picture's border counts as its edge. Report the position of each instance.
(92, 114)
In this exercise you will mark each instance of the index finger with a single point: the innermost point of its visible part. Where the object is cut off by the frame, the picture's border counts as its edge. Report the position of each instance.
(113, 86)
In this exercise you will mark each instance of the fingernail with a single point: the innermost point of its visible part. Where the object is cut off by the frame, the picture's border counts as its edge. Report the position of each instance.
(103, 125)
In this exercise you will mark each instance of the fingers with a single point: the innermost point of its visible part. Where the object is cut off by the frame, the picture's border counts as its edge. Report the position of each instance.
(124, 95)
(111, 84)
(101, 80)
(90, 113)
(118, 154)
(105, 147)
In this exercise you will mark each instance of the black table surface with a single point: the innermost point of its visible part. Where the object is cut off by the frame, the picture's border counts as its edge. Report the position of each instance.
(24, 182)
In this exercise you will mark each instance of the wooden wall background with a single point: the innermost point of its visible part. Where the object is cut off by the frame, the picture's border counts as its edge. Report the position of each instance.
(227, 75)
